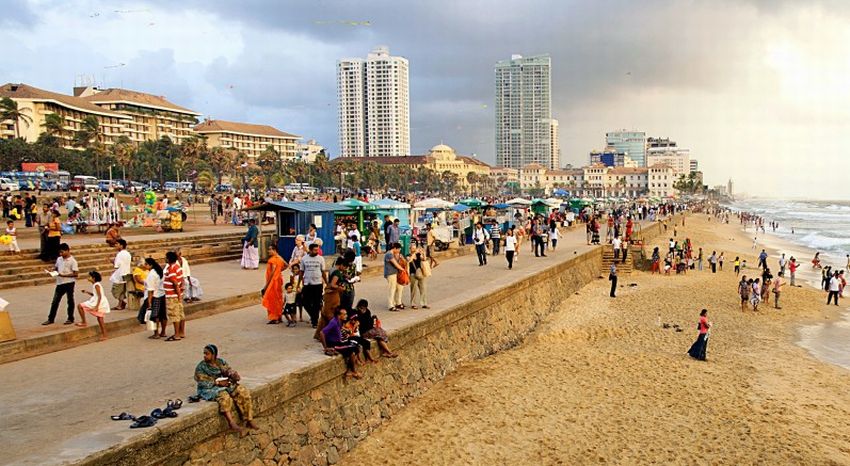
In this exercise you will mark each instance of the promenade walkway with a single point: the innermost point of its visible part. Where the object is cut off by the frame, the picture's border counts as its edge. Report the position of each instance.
(57, 406)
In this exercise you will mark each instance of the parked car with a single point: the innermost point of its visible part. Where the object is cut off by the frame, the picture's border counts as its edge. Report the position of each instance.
(105, 186)
(224, 188)
(7, 184)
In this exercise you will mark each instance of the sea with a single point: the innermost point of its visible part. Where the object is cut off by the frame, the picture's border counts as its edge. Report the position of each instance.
(822, 226)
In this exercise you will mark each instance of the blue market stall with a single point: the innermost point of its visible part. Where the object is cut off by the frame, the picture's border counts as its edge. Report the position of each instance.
(295, 218)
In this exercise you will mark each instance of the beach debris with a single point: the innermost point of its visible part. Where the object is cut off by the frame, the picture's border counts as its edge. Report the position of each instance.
(666, 325)
(633, 285)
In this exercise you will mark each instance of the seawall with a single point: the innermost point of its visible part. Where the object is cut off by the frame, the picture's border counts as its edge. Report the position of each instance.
(313, 416)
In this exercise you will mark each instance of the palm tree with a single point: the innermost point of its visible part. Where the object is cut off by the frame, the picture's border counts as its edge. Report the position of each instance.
(270, 162)
(221, 161)
(9, 110)
(54, 128)
(124, 153)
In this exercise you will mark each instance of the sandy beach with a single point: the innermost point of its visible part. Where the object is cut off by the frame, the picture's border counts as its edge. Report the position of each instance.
(601, 382)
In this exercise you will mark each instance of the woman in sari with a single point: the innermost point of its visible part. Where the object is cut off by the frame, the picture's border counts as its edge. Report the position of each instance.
(273, 291)
(333, 292)
(700, 346)
(217, 381)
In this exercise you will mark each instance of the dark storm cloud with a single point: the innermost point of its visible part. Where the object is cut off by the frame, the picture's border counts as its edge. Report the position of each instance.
(16, 13)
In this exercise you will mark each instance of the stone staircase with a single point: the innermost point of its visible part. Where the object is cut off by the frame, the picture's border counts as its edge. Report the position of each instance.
(28, 270)
(623, 268)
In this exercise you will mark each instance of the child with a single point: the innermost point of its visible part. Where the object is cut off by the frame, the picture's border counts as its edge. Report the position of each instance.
(289, 306)
(97, 305)
(295, 281)
(737, 265)
(743, 264)
(358, 257)
(13, 233)
(554, 234)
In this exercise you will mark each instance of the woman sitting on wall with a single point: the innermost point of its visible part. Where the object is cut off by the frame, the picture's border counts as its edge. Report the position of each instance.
(217, 381)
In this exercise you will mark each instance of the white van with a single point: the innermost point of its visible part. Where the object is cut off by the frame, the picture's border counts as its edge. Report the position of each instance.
(84, 183)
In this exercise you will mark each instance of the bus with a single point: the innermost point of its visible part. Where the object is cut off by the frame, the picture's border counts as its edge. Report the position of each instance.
(84, 183)
(293, 188)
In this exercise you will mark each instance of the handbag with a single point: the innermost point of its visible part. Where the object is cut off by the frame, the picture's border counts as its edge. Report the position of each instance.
(403, 278)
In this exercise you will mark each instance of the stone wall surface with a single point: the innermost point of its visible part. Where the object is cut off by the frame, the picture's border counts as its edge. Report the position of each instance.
(313, 416)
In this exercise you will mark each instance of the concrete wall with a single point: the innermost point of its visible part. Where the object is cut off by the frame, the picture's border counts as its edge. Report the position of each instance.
(301, 415)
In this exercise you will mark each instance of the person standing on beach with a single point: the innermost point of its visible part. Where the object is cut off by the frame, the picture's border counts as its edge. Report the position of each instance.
(833, 287)
(699, 260)
(699, 348)
(612, 275)
(782, 263)
(737, 265)
(755, 294)
(778, 283)
(792, 269)
(712, 261)
(744, 292)
(720, 261)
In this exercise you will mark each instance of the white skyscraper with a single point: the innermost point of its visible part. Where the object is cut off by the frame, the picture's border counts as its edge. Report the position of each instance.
(374, 105)
(524, 132)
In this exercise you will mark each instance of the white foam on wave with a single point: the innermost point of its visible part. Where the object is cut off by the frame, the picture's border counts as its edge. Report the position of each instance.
(817, 241)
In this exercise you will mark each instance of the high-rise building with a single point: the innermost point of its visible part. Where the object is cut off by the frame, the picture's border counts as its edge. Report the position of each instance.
(632, 143)
(677, 158)
(694, 165)
(374, 105)
(610, 157)
(524, 133)
(652, 143)
(555, 148)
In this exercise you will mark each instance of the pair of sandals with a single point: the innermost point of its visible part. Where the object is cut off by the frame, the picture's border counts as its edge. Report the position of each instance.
(150, 421)
(397, 308)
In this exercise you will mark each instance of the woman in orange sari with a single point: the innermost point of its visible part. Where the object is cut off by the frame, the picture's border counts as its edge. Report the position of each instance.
(273, 291)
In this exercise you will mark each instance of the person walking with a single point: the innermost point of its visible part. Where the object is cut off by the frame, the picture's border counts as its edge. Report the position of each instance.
(392, 268)
(762, 260)
(66, 270)
(782, 263)
(272, 292)
(834, 287)
(699, 348)
(172, 283)
(615, 244)
(755, 294)
(720, 261)
(510, 247)
(313, 278)
(214, 209)
(480, 238)
(712, 261)
(496, 236)
(250, 253)
(612, 276)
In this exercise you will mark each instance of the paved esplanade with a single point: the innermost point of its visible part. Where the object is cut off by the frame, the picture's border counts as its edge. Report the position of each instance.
(56, 407)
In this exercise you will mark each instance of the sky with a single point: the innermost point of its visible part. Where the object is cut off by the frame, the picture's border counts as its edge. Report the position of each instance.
(758, 90)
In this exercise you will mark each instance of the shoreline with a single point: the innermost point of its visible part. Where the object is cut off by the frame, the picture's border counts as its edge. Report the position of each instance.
(600, 381)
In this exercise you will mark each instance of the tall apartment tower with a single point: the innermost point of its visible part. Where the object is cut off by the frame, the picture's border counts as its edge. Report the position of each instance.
(374, 105)
(524, 125)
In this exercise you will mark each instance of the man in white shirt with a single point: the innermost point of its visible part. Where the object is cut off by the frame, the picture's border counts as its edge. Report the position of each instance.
(615, 243)
(782, 263)
(834, 287)
(191, 285)
(313, 276)
(480, 237)
(122, 275)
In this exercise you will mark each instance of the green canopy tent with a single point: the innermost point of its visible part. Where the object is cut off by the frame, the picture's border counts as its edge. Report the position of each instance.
(356, 208)
(471, 202)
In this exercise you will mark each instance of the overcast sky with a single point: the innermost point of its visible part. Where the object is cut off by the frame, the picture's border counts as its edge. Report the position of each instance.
(759, 90)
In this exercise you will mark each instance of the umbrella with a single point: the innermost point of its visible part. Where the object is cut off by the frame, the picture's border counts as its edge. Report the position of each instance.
(471, 202)
(460, 208)
(519, 201)
(390, 204)
(502, 206)
(355, 204)
(561, 192)
(433, 203)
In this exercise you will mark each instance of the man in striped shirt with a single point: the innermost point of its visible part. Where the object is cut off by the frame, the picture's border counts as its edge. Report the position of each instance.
(496, 236)
(172, 283)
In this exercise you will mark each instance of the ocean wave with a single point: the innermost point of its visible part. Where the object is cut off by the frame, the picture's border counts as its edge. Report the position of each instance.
(819, 241)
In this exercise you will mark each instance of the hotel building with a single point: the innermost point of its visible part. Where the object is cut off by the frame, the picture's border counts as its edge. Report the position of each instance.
(37, 103)
(152, 117)
(247, 138)
(374, 105)
(675, 157)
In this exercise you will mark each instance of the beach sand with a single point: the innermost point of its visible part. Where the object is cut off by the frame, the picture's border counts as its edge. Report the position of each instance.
(600, 382)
